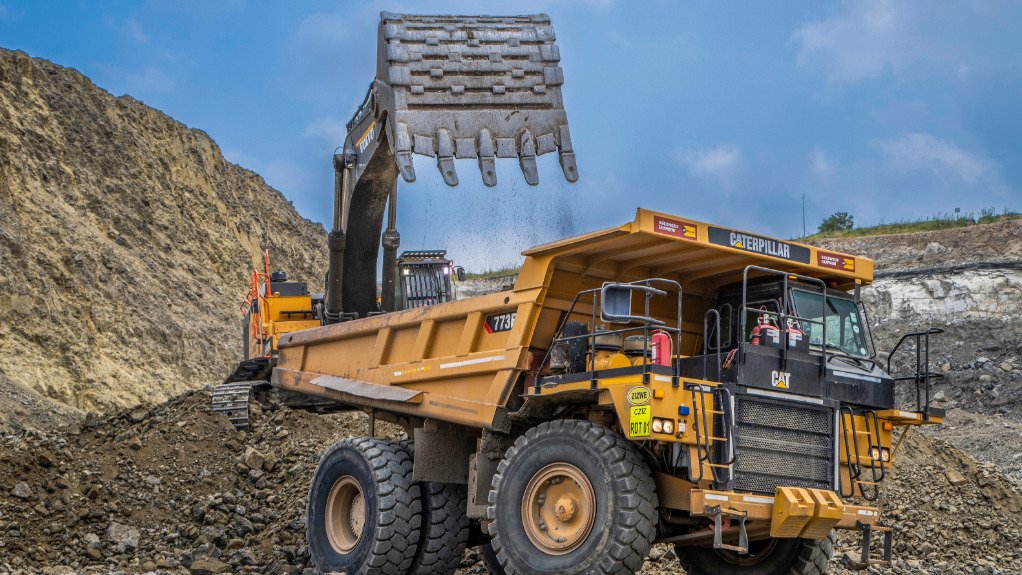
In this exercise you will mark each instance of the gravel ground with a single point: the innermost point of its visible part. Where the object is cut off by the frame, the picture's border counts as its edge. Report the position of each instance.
(175, 489)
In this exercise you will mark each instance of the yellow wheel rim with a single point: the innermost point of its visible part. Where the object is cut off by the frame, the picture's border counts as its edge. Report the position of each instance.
(345, 514)
(559, 509)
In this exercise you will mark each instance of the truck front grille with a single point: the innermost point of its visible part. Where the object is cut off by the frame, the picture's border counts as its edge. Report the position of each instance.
(782, 443)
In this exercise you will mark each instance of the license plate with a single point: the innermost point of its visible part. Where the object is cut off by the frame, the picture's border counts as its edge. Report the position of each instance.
(639, 420)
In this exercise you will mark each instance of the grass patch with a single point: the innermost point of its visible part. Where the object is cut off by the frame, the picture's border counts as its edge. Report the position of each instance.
(490, 274)
(929, 224)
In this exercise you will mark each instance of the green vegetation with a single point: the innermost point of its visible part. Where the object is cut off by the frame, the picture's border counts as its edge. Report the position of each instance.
(937, 222)
(837, 222)
(489, 274)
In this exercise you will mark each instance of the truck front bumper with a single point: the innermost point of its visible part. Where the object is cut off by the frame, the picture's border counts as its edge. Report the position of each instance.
(790, 512)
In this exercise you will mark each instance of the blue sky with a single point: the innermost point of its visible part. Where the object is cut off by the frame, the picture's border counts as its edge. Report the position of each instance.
(726, 112)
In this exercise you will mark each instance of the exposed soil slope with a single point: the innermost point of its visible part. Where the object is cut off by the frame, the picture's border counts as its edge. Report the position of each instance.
(125, 243)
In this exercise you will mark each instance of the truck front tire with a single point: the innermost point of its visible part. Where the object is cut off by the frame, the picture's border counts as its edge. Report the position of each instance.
(769, 557)
(364, 509)
(572, 497)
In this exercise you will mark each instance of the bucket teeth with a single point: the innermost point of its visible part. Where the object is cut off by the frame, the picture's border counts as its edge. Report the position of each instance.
(403, 152)
(527, 159)
(566, 155)
(445, 158)
(487, 158)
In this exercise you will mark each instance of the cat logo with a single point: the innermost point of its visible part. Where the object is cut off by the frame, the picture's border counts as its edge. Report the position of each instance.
(780, 379)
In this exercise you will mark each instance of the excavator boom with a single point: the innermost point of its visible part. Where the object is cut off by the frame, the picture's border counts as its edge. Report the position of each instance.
(446, 87)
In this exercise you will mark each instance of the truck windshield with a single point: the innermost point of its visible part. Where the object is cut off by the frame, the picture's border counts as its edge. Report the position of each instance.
(844, 326)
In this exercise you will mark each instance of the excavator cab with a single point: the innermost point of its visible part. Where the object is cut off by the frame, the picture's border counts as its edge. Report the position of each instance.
(427, 278)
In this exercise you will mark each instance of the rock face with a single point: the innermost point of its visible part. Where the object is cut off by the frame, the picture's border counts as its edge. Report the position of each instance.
(126, 241)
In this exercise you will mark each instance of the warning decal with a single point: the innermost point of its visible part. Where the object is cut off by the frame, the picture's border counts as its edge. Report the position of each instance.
(835, 261)
(676, 228)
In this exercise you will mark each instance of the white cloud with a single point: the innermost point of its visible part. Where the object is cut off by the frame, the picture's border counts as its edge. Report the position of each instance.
(916, 152)
(823, 166)
(869, 38)
(327, 128)
(717, 162)
(132, 29)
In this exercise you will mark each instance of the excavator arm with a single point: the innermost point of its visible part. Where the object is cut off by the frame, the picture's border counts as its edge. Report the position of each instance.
(446, 87)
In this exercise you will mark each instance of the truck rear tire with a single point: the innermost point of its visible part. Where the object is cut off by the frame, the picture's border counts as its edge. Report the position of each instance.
(364, 509)
(445, 525)
(490, 560)
(572, 497)
(444, 529)
(768, 557)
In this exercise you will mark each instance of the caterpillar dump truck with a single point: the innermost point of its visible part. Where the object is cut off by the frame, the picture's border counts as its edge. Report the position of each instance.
(666, 380)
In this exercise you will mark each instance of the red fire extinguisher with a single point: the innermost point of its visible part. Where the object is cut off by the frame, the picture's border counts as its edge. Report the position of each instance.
(661, 348)
(764, 326)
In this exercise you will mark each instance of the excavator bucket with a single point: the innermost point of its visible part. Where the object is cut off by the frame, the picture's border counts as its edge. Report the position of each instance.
(447, 87)
(482, 87)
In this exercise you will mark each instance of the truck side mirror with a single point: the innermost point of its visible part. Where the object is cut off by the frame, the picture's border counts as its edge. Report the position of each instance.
(459, 272)
(616, 303)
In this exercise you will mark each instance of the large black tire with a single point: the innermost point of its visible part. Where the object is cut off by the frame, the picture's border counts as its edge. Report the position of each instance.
(490, 560)
(623, 517)
(388, 538)
(444, 529)
(770, 557)
(445, 525)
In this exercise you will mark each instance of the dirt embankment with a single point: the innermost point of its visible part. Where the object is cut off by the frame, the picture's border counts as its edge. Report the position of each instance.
(126, 241)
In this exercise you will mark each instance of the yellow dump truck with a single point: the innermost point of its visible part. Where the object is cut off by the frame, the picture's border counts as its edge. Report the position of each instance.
(666, 380)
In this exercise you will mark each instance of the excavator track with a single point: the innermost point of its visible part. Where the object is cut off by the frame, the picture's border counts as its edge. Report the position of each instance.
(231, 397)
(231, 401)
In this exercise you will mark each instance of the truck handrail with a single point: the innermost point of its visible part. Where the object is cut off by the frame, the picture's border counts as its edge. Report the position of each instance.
(706, 338)
(645, 328)
(783, 314)
(922, 375)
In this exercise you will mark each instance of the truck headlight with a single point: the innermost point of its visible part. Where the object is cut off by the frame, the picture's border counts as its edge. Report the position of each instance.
(658, 425)
(875, 453)
(885, 454)
(668, 426)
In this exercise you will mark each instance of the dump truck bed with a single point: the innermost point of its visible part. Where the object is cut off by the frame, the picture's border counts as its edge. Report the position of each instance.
(464, 361)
